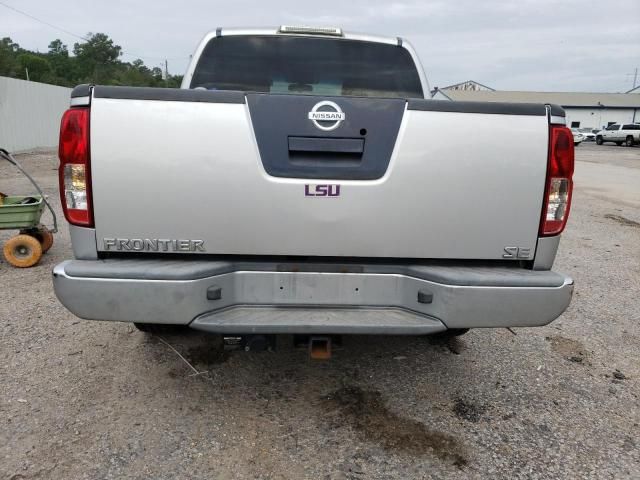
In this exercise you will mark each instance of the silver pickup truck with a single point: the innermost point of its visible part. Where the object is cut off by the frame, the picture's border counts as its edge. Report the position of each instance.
(301, 181)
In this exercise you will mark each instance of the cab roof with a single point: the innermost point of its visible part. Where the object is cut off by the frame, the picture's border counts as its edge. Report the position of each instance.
(307, 31)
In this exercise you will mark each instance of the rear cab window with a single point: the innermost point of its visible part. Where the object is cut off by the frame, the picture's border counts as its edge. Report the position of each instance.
(631, 127)
(308, 66)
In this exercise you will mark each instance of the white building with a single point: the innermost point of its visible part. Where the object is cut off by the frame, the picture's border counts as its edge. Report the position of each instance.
(584, 110)
(468, 85)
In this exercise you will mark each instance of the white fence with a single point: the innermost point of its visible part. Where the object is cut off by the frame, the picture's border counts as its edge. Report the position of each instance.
(30, 114)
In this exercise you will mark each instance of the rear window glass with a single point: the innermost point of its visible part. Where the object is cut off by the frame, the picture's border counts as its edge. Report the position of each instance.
(631, 127)
(305, 65)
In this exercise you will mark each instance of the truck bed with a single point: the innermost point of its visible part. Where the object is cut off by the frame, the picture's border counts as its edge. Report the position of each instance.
(433, 179)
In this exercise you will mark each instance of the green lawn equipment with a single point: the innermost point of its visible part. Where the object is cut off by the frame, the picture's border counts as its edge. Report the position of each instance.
(23, 213)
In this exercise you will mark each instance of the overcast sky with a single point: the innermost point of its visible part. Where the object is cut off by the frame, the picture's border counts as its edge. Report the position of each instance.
(549, 45)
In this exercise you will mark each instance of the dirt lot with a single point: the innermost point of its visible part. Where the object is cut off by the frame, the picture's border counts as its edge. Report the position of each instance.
(92, 400)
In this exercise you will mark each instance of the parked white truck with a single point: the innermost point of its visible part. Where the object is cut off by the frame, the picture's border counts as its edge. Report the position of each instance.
(300, 182)
(628, 134)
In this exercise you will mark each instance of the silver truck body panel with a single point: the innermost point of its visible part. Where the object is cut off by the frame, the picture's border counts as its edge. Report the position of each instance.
(83, 242)
(259, 298)
(189, 170)
(314, 320)
(546, 251)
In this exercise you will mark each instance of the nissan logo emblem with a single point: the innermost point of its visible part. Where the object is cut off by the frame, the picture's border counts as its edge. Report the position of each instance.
(326, 115)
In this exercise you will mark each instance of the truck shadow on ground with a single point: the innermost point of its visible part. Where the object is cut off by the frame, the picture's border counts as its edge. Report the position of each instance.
(338, 395)
(366, 412)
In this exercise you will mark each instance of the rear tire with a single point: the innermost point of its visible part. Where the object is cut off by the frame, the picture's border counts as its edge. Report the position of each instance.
(22, 251)
(619, 144)
(456, 332)
(629, 142)
(158, 328)
(451, 333)
(599, 141)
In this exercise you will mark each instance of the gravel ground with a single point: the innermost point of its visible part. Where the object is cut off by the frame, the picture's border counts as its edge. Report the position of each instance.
(82, 399)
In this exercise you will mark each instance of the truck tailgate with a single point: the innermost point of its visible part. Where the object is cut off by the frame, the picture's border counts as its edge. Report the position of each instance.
(459, 184)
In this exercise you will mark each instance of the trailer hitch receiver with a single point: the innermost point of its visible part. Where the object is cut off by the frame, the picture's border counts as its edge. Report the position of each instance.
(320, 348)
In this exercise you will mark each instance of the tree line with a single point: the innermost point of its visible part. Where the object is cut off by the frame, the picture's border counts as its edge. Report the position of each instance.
(97, 60)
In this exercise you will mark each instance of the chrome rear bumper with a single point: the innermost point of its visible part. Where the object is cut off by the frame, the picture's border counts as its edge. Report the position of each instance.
(263, 297)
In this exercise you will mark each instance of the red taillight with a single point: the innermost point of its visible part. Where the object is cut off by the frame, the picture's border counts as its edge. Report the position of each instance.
(74, 172)
(557, 194)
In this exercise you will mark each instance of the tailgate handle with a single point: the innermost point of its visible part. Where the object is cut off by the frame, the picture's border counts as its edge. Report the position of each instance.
(326, 145)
